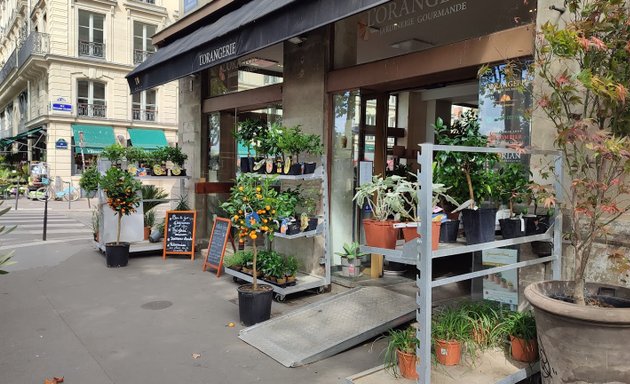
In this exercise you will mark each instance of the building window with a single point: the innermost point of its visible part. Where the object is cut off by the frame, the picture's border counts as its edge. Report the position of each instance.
(144, 106)
(142, 47)
(91, 99)
(91, 34)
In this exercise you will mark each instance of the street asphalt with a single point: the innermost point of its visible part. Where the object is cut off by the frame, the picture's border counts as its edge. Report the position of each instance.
(64, 313)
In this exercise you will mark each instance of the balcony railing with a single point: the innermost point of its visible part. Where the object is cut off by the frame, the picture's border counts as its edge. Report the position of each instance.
(36, 43)
(91, 110)
(10, 64)
(143, 114)
(91, 49)
(146, 1)
(139, 55)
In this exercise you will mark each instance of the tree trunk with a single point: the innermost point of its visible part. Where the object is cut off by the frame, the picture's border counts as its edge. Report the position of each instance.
(471, 193)
(578, 294)
(254, 279)
(118, 231)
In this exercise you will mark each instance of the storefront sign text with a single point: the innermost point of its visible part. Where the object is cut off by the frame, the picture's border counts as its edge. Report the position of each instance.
(397, 15)
(209, 57)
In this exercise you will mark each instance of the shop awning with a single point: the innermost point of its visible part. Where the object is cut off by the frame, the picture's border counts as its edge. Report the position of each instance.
(255, 25)
(95, 137)
(148, 139)
(9, 140)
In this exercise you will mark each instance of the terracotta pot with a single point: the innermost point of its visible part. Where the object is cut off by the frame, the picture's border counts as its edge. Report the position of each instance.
(380, 234)
(147, 232)
(407, 364)
(410, 233)
(448, 352)
(524, 350)
(581, 344)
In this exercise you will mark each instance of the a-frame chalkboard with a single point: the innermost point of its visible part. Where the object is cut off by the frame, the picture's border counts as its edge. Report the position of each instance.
(216, 246)
(179, 233)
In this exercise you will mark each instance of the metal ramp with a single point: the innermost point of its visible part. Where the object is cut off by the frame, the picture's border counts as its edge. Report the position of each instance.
(325, 328)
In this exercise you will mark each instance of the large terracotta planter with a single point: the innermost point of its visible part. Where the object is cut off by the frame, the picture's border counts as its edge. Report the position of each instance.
(380, 234)
(407, 364)
(448, 352)
(410, 233)
(581, 344)
(524, 350)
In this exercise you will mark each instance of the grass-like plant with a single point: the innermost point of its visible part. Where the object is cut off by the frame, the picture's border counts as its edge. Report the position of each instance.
(404, 340)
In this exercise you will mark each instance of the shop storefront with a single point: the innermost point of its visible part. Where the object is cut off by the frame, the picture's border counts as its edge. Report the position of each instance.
(370, 77)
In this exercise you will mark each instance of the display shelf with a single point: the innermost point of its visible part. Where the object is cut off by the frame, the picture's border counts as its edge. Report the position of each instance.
(313, 233)
(162, 177)
(303, 282)
(137, 247)
(317, 175)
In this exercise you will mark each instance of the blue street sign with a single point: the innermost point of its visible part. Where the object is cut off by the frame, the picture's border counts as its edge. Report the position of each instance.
(61, 144)
(62, 107)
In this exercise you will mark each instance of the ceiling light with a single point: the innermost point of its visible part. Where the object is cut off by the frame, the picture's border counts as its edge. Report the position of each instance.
(412, 44)
(259, 62)
(297, 40)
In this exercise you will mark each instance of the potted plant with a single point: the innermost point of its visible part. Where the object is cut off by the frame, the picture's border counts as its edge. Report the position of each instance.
(450, 330)
(253, 205)
(95, 223)
(477, 181)
(247, 134)
(351, 259)
(267, 146)
(513, 187)
(151, 196)
(291, 264)
(176, 157)
(400, 355)
(313, 147)
(89, 181)
(135, 157)
(485, 318)
(121, 191)
(379, 198)
(292, 142)
(585, 70)
(520, 328)
(159, 158)
(307, 209)
(115, 153)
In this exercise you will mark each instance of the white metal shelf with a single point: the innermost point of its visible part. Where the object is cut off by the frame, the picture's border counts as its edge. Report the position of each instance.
(303, 282)
(313, 233)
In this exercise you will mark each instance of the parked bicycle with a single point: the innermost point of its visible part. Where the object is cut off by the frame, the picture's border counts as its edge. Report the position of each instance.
(48, 191)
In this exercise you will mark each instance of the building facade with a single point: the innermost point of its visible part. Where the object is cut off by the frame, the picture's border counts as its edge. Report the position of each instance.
(63, 95)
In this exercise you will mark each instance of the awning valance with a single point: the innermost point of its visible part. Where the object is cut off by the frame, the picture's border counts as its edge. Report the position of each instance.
(92, 138)
(148, 139)
(255, 25)
(9, 140)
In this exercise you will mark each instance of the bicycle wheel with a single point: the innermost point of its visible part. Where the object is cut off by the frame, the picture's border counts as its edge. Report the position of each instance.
(71, 194)
(42, 192)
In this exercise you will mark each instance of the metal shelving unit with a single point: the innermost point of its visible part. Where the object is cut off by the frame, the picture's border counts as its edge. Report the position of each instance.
(426, 254)
(304, 281)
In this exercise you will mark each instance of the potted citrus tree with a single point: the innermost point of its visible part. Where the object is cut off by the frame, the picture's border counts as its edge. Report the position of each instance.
(584, 68)
(121, 191)
(247, 134)
(252, 206)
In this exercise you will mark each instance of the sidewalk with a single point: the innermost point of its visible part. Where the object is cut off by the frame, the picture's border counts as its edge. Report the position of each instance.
(81, 205)
(145, 323)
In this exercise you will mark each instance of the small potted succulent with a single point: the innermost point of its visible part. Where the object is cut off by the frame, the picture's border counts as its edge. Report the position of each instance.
(351, 259)
(121, 191)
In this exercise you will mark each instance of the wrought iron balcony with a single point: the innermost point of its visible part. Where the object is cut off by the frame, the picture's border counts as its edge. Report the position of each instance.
(36, 43)
(139, 55)
(143, 114)
(91, 110)
(91, 49)
(147, 1)
(10, 64)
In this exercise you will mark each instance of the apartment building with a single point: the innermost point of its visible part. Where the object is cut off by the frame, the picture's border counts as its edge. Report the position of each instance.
(63, 93)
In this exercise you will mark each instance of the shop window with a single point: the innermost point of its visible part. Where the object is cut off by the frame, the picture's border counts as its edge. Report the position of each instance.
(144, 105)
(91, 99)
(142, 47)
(80, 159)
(91, 36)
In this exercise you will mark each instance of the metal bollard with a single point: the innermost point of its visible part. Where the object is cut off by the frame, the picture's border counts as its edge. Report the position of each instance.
(45, 215)
(17, 193)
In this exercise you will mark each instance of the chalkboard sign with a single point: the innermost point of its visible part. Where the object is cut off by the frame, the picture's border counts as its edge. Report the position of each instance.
(179, 233)
(216, 246)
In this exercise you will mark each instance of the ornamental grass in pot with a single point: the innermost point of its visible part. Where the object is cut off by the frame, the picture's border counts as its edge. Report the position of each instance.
(451, 331)
(520, 329)
(584, 327)
(400, 355)
(252, 206)
(123, 197)
(383, 201)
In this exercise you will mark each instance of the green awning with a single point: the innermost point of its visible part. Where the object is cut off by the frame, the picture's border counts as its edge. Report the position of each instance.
(95, 137)
(10, 140)
(148, 139)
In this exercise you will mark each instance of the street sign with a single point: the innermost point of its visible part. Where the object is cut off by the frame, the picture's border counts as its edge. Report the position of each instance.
(61, 144)
(61, 104)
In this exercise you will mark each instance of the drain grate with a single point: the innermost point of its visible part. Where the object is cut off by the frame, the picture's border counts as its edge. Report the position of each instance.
(156, 305)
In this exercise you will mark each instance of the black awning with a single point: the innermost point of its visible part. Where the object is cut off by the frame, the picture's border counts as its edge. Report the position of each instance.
(255, 25)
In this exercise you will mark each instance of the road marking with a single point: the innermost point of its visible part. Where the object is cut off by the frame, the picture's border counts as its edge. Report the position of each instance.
(40, 225)
(41, 242)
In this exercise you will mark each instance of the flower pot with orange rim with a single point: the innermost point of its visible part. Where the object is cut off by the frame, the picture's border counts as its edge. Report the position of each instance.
(448, 352)
(411, 233)
(380, 234)
(407, 364)
(524, 350)
(147, 232)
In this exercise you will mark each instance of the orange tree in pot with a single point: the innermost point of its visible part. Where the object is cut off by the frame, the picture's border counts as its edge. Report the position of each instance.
(121, 191)
(384, 202)
(584, 70)
(252, 206)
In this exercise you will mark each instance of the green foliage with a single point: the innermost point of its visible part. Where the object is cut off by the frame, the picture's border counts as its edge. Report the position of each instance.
(519, 324)
(5, 259)
(452, 324)
(351, 251)
(90, 179)
(160, 155)
(151, 192)
(404, 340)
(114, 153)
(238, 258)
(266, 144)
(137, 154)
(380, 196)
(175, 155)
(291, 141)
(248, 133)
(468, 174)
(96, 214)
(182, 203)
(485, 318)
(288, 200)
(512, 184)
(291, 265)
(121, 190)
(272, 264)
(149, 219)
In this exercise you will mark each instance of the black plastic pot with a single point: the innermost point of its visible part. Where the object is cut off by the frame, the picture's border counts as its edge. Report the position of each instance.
(312, 224)
(511, 228)
(448, 231)
(535, 225)
(295, 169)
(117, 255)
(309, 168)
(293, 229)
(254, 306)
(247, 164)
(479, 225)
